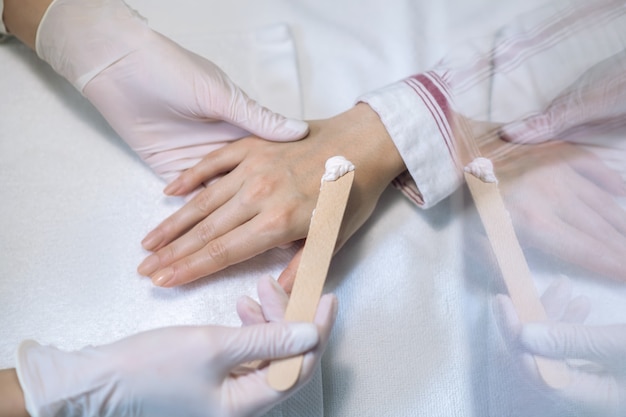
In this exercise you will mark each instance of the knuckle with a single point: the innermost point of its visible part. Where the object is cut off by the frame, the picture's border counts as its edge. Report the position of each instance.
(205, 232)
(259, 190)
(280, 223)
(217, 252)
(167, 254)
(203, 202)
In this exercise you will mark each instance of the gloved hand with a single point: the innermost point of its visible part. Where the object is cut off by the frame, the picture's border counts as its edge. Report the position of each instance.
(171, 106)
(596, 355)
(176, 371)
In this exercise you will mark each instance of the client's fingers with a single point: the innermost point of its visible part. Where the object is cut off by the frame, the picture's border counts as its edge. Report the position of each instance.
(598, 214)
(202, 205)
(593, 168)
(605, 205)
(231, 248)
(556, 298)
(558, 238)
(224, 219)
(249, 311)
(604, 344)
(213, 164)
(288, 276)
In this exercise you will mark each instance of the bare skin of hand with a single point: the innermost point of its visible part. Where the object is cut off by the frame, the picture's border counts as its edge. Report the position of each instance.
(264, 195)
(11, 395)
(562, 201)
(22, 17)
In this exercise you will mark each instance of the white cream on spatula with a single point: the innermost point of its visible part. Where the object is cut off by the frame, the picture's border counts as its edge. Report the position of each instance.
(336, 167)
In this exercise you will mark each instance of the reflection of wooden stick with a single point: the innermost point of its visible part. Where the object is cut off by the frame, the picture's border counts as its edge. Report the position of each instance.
(316, 255)
(515, 271)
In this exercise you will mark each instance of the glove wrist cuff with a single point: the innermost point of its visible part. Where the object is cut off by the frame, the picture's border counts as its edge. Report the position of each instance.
(80, 39)
(57, 382)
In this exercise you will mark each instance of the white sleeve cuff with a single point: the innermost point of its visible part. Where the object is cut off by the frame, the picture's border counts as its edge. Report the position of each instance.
(411, 118)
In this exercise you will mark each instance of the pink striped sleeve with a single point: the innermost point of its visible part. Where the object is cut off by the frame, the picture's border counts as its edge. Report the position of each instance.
(560, 68)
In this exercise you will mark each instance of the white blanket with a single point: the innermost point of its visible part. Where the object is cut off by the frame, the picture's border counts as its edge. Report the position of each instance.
(413, 318)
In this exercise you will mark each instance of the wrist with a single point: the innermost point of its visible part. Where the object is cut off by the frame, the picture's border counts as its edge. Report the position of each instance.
(370, 147)
(11, 395)
(57, 382)
(80, 39)
(21, 18)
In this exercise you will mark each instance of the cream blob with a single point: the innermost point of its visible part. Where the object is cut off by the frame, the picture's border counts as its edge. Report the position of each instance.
(337, 167)
(482, 168)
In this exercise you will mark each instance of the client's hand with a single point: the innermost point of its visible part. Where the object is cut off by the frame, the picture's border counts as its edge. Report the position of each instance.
(170, 105)
(191, 371)
(562, 201)
(266, 197)
(596, 355)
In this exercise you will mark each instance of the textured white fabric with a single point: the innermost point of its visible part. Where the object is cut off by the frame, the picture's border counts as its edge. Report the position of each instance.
(80, 55)
(415, 333)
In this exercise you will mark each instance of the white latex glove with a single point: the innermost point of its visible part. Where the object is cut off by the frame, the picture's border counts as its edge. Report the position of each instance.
(176, 371)
(170, 105)
(596, 355)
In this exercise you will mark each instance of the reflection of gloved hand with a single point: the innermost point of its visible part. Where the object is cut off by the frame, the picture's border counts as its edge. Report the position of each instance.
(596, 355)
(170, 105)
(597, 99)
(176, 371)
(542, 183)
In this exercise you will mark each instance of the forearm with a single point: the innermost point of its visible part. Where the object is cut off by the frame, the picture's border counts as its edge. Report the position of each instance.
(22, 17)
(11, 395)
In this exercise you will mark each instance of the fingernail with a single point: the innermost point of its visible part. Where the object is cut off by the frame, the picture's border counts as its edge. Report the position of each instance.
(152, 240)
(172, 187)
(149, 265)
(162, 278)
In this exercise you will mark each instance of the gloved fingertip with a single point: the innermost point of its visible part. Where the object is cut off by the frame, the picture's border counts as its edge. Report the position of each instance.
(537, 338)
(249, 311)
(285, 130)
(295, 129)
(245, 303)
(304, 336)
